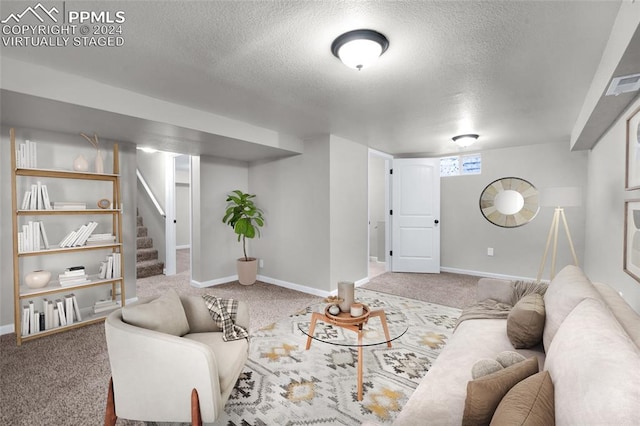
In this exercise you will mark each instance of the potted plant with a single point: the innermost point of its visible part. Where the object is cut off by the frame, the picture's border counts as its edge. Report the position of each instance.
(245, 219)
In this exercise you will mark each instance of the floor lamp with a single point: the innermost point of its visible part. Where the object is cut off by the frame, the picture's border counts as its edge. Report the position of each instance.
(559, 198)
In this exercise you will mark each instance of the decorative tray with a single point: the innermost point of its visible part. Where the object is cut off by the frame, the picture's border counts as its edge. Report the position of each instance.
(345, 318)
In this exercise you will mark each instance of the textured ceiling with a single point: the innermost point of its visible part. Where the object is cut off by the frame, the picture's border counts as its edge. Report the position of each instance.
(516, 72)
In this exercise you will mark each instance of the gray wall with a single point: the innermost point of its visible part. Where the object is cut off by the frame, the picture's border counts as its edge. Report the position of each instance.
(214, 247)
(349, 210)
(294, 194)
(183, 221)
(466, 234)
(377, 211)
(605, 212)
(57, 150)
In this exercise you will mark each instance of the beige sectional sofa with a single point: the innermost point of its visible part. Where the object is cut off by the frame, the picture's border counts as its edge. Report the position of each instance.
(590, 348)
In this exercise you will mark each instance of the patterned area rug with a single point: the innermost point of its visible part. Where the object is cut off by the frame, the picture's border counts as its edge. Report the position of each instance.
(284, 384)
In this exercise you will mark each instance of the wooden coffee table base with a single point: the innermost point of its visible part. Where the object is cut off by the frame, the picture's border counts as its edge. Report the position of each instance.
(353, 327)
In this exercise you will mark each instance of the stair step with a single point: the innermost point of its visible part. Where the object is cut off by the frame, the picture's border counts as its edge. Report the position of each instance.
(149, 268)
(146, 254)
(141, 231)
(144, 242)
(139, 221)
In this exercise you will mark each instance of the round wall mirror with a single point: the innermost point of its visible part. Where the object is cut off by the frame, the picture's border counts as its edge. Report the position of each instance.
(509, 202)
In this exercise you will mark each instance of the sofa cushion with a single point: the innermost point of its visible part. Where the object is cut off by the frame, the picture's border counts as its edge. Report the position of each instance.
(164, 314)
(528, 403)
(595, 368)
(626, 316)
(525, 322)
(508, 358)
(198, 316)
(484, 394)
(565, 291)
(485, 366)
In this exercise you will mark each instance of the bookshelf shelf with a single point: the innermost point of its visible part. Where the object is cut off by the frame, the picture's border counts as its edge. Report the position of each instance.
(25, 296)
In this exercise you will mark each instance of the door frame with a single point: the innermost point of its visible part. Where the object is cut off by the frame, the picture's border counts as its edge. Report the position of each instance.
(388, 163)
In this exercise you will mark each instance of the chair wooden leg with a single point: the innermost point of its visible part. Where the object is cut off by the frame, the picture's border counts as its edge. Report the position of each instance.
(196, 419)
(110, 413)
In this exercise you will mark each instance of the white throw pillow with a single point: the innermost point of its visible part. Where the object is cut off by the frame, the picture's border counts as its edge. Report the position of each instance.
(164, 314)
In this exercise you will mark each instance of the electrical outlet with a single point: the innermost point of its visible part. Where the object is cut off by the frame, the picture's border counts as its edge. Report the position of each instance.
(261, 263)
(489, 251)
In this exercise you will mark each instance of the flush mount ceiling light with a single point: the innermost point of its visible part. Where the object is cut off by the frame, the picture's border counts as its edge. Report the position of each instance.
(464, 141)
(359, 48)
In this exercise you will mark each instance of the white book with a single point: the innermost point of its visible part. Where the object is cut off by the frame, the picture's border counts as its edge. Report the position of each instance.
(20, 246)
(68, 309)
(36, 321)
(65, 241)
(45, 196)
(27, 152)
(117, 268)
(76, 308)
(50, 308)
(56, 317)
(45, 313)
(32, 318)
(43, 233)
(79, 232)
(39, 202)
(33, 202)
(18, 165)
(109, 267)
(25, 320)
(26, 238)
(33, 150)
(82, 239)
(26, 200)
(36, 235)
(102, 273)
(61, 314)
(23, 155)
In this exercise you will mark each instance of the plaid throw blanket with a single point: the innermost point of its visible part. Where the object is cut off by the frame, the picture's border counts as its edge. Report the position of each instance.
(223, 312)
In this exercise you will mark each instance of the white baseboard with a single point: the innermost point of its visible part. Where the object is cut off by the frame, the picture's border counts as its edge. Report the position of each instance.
(215, 282)
(293, 286)
(484, 274)
(362, 281)
(373, 259)
(186, 246)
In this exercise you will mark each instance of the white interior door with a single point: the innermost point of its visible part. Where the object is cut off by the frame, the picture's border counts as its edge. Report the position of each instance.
(416, 215)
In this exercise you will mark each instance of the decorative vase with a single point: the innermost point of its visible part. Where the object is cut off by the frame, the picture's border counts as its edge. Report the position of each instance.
(37, 279)
(247, 270)
(345, 292)
(80, 164)
(99, 162)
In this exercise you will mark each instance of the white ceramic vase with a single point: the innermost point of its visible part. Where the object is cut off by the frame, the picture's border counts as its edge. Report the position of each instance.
(346, 293)
(37, 279)
(80, 164)
(99, 162)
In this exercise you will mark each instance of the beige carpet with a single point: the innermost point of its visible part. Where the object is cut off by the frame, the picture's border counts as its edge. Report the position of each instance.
(62, 379)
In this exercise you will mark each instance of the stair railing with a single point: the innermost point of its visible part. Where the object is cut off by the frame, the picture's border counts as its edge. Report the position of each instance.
(150, 194)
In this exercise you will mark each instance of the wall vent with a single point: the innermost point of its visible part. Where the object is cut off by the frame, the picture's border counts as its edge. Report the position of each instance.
(624, 84)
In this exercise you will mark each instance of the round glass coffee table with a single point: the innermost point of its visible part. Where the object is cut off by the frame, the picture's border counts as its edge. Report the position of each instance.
(367, 331)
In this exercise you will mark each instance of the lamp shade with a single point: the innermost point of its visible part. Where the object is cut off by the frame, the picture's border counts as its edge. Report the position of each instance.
(561, 196)
(359, 48)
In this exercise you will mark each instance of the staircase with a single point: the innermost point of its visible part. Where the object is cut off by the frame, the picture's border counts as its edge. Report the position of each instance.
(147, 263)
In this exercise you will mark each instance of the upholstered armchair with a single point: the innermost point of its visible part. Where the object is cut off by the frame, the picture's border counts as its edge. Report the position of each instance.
(169, 362)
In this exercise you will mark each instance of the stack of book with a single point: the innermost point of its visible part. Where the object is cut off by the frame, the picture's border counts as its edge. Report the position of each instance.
(110, 268)
(37, 198)
(105, 305)
(31, 235)
(78, 237)
(27, 155)
(69, 205)
(98, 239)
(54, 313)
(72, 276)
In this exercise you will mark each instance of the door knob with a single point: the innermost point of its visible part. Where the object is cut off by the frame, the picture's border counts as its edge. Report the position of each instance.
(436, 221)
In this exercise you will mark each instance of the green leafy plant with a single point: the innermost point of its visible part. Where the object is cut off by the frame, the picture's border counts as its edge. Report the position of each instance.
(243, 216)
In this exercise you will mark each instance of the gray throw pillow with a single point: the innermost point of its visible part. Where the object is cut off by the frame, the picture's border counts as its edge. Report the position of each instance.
(164, 314)
(525, 322)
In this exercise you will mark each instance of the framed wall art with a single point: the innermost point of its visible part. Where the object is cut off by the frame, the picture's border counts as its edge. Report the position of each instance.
(631, 252)
(632, 174)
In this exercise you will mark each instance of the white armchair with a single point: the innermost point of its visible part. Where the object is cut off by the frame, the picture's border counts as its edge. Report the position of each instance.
(169, 362)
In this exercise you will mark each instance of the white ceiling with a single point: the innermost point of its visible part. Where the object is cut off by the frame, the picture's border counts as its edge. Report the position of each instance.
(516, 73)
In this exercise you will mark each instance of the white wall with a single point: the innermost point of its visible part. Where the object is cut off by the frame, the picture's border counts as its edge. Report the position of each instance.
(466, 234)
(349, 210)
(605, 212)
(57, 150)
(214, 247)
(294, 194)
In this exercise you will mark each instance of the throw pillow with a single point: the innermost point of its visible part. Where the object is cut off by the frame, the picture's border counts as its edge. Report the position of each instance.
(485, 366)
(484, 394)
(525, 322)
(508, 358)
(164, 314)
(529, 403)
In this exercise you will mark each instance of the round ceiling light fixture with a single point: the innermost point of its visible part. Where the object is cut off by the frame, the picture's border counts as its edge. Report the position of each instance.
(464, 141)
(359, 48)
